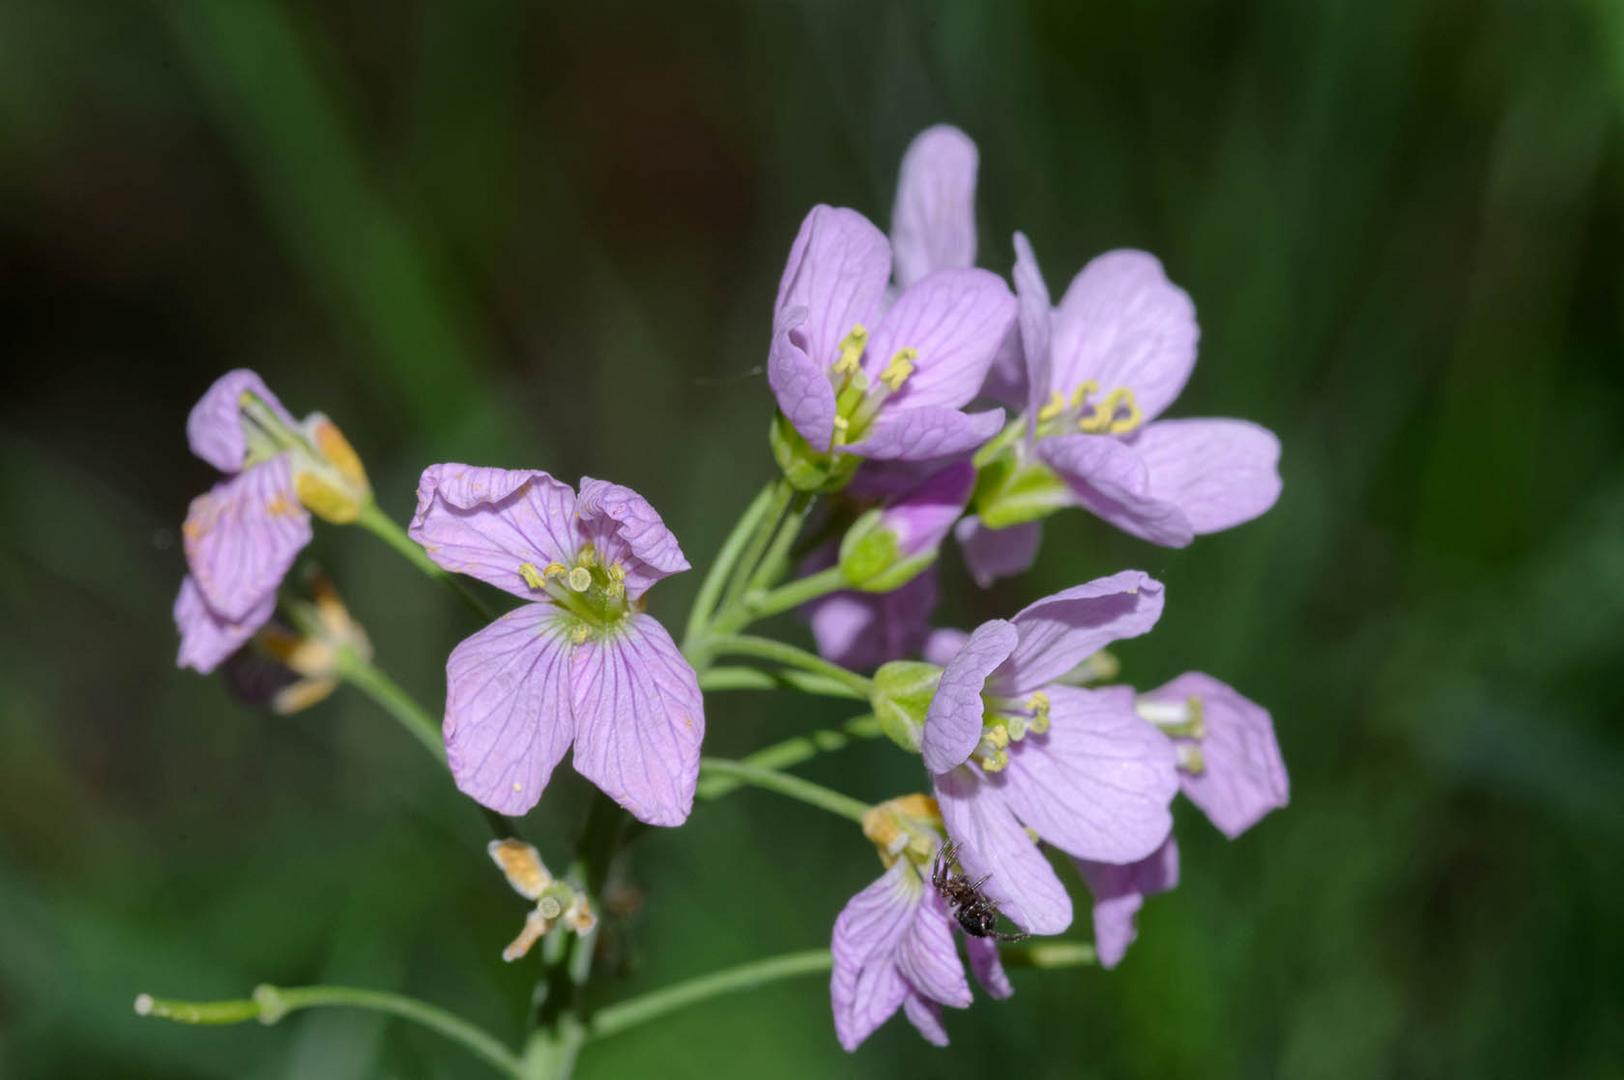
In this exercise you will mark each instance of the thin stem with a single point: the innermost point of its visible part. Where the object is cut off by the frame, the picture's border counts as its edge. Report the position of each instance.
(742, 678)
(711, 590)
(384, 528)
(270, 1004)
(388, 695)
(783, 598)
(794, 751)
(614, 1019)
(771, 567)
(782, 493)
(784, 784)
(790, 656)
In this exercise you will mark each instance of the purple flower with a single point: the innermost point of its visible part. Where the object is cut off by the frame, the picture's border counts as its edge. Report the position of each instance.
(1010, 746)
(861, 630)
(854, 375)
(582, 662)
(1229, 761)
(1119, 892)
(241, 536)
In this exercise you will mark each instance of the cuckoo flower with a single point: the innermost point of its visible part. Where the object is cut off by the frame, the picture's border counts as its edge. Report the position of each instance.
(1102, 368)
(1119, 892)
(1009, 745)
(855, 375)
(582, 662)
(894, 942)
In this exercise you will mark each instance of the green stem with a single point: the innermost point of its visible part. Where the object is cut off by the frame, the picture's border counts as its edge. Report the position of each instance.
(639, 1010)
(384, 528)
(794, 751)
(742, 678)
(784, 784)
(771, 567)
(781, 599)
(711, 590)
(790, 656)
(270, 1004)
(782, 493)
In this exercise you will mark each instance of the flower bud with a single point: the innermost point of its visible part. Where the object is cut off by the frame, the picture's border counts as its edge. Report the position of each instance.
(328, 475)
(293, 669)
(888, 547)
(806, 468)
(902, 693)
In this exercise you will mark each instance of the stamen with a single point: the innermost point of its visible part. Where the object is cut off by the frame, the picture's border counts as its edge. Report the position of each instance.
(1191, 760)
(901, 366)
(1104, 419)
(1084, 389)
(851, 350)
(1053, 407)
(532, 576)
(579, 634)
(1177, 719)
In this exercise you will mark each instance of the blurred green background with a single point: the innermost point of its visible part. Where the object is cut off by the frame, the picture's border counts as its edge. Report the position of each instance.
(549, 235)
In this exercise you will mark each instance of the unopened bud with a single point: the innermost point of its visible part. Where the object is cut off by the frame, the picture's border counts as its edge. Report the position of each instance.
(901, 696)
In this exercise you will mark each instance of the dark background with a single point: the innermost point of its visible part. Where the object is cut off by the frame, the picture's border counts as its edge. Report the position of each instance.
(549, 235)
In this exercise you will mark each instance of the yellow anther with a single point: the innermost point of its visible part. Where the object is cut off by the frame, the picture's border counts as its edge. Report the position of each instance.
(617, 572)
(851, 350)
(1039, 722)
(995, 738)
(522, 866)
(901, 366)
(1038, 702)
(1084, 389)
(1053, 407)
(532, 577)
(587, 556)
(579, 579)
(1191, 760)
(579, 634)
(997, 762)
(1104, 418)
(554, 569)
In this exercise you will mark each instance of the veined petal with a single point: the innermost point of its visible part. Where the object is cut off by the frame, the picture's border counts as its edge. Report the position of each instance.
(992, 842)
(953, 721)
(206, 639)
(1059, 632)
(990, 554)
(1006, 376)
(507, 708)
(625, 529)
(928, 957)
(487, 523)
(837, 271)
(243, 535)
(915, 433)
(862, 630)
(1110, 480)
(988, 966)
(922, 517)
(955, 321)
(1243, 775)
(799, 382)
(926, 1017)
(1219, 473)
(1035, 319)
(1099, 784)
(1123, 324)
(639, 720)
(1120, 891)
(866, 986)
(933, 224)
(214, 427)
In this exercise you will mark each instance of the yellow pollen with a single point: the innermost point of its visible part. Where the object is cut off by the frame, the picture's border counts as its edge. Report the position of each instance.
(851, 350)
(579, 635)
(1053, 407)
(617, 572)
(579, 579)
(997, 762)
(1084, 388)
(1104, 419)
(1038, 702)
(554, 569)
(901, 366)
(532, 576)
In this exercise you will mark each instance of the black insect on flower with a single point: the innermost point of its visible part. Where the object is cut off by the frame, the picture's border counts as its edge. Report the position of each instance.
(976, 911)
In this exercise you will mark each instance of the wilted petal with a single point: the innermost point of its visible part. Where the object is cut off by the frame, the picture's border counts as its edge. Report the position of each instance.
(243, 535)
(922, 517)
(1110, 480)
(866, 987)
(990, 554)
(507, 708)
(1123, 324)
(1243, 775)
(929, 958)
(926, 1017)
(1120, 891)
(988, 966)
(1034, 319)
(837, 271)
(214, 428)
(953, 721)
(206, 639)
(923, 432)
(639, 720)
(486, 523)
(800, 383)
(1099, 784)
(863, 630)
(625, 529)
(955, 320)
(992, 842)
(933, 224)
(1059, 632)
(1219, 473)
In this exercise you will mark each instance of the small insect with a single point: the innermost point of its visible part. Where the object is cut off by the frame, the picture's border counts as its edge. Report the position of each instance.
(976, 911)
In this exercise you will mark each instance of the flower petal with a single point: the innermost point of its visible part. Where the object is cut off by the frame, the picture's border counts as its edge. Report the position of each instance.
(1120, 891)
(1219, 473)
(486, 523)
(943, 644)
(206, 639)
(929, 958)
(1035, 319)
(243, 535)
(214, 427)
(866, 986)
(1123, 324)
(837, 271)
(922, 517)
(639, 720)
(992, 842)
(801, 384)
(988, 966)
(921, 432)
(953, 721)
(1006, 376)
(990, 554)
(863, 630)
(933, 223)
(1243, 775)
(1110, 480)
(507, 708)
(926, 1017)
(1099, 784)
(1061, 631)
(955, 320)
(625, 529)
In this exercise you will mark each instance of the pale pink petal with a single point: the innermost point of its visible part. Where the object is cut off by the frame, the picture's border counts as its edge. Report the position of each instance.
(487, 523)
(206, 639)
(992, 842)
(837, 271)
(953, 721)
(862, 630)
(990, 554)
(933, 224)
(927, 431)
(955, 320)
(1061, 631)
(1219, 473)
(926, 1017)
(627, 531)
(1111, 481)
(801, 383)
(639, 720)
(214, 427)
(866, 987)
(1120, 891)
(929, 956)
(988, 966)
(1034, 320)
(1243, 775)
(242, 537)
(921, 517)
(507, 710)
(1006, 376)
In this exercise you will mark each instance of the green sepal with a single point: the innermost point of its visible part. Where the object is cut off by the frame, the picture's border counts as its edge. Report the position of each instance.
(805, 468)
(902, 693)
(1010, 491)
